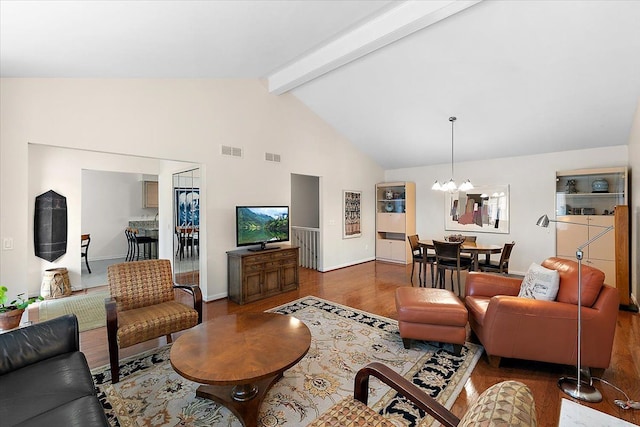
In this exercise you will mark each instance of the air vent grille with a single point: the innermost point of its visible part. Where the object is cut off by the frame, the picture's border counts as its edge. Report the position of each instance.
(272, 157)
(227, 150)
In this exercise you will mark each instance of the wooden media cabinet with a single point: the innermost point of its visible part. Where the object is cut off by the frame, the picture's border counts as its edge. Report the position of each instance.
(256, 275)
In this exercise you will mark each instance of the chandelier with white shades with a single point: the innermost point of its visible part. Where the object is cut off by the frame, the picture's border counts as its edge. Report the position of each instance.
(451, 186)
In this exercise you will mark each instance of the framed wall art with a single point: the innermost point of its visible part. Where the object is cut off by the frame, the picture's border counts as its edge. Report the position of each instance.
(482, 209)
(351, 214)
(187, 205)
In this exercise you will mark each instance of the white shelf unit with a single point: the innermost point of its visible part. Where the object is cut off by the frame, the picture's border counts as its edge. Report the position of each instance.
(585, 201)
(395, 220)
(578, 201)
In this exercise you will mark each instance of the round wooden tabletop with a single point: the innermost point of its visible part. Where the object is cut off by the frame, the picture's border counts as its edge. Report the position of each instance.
(240, 348)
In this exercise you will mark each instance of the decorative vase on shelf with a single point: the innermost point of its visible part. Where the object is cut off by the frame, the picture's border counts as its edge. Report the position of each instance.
(388, 194)
(600, 185)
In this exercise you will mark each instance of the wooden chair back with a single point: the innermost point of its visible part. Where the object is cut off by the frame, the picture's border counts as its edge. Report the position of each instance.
(413, 242)
(504, 257)
(447, 252)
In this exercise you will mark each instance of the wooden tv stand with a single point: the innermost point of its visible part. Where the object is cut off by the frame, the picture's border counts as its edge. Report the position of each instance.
(256, 275)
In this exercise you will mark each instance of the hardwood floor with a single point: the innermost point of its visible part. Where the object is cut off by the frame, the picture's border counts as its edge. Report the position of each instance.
(371, 286)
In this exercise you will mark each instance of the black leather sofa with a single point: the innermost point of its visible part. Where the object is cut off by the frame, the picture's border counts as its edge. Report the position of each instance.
(45, 379)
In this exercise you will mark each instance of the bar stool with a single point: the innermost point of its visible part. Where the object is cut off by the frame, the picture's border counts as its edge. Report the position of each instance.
(134, 244)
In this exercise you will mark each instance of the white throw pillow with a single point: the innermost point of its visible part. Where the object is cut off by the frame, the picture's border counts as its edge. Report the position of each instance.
(540, 283)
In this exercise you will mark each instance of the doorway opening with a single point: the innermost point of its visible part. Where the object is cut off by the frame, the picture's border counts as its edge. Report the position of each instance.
(305, 219)
(111, 202)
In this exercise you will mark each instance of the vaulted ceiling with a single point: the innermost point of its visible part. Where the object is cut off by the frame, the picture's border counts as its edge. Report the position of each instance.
(522, 77)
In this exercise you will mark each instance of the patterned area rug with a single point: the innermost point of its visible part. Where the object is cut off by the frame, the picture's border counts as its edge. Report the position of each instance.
(343, 340)
(89, 308)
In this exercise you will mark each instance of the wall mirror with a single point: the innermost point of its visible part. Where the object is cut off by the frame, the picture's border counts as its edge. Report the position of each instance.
(482, 209)
(186, 227)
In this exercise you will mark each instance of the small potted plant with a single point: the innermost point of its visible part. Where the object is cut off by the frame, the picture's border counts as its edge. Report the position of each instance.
(11, 313)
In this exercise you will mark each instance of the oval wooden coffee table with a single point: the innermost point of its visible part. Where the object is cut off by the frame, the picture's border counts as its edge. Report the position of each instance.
(239, 357)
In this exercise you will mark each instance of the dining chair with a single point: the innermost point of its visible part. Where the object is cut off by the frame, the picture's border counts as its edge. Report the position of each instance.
(448, 258)
(85, 240)
(468, 239)
(501, 266)
(187, 238)
(418, 257)
(192, 238)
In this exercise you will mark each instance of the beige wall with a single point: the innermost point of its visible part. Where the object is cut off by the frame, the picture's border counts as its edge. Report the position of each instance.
(532, 187)
(182, 120)
(61, 169)
(188, 120)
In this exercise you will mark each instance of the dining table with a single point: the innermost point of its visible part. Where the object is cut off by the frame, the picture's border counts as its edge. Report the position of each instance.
(472, 248)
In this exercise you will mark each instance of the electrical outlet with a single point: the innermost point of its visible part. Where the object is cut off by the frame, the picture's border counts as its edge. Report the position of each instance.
(7, 243)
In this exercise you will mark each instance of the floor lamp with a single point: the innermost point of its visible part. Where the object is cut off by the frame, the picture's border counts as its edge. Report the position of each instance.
(573, 386)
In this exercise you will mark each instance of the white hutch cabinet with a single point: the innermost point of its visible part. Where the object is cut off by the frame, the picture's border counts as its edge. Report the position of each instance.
(395, 220)
(593, 199)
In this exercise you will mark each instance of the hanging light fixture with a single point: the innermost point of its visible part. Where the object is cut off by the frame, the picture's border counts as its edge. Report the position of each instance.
(451, 186)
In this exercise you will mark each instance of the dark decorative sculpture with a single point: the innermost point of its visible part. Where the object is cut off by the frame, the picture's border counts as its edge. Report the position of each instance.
(50, 226)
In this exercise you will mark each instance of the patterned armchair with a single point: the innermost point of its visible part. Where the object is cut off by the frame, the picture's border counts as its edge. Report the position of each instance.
(142, 306)
(503, 404)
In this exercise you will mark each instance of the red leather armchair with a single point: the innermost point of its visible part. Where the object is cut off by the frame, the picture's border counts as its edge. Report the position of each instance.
(514, 327)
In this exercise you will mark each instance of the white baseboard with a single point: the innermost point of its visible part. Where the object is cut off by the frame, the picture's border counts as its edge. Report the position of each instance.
(348, 264)
(215, 297)
(106, 258)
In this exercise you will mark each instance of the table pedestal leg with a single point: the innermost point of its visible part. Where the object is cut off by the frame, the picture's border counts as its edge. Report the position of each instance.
(243, 400)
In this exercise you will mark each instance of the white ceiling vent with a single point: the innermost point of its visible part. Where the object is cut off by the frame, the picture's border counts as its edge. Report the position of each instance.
(272, 157)
(227, 150)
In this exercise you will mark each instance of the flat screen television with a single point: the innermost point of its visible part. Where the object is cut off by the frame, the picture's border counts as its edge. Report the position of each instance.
(259, 225)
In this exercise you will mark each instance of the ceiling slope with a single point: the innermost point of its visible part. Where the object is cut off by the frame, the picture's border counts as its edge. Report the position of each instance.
(522, 77)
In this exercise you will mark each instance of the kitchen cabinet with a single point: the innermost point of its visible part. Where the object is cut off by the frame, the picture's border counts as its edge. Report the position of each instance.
(149, 194)
(395, 220)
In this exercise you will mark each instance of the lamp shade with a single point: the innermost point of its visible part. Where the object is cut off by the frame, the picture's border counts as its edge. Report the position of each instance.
(543, 221)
